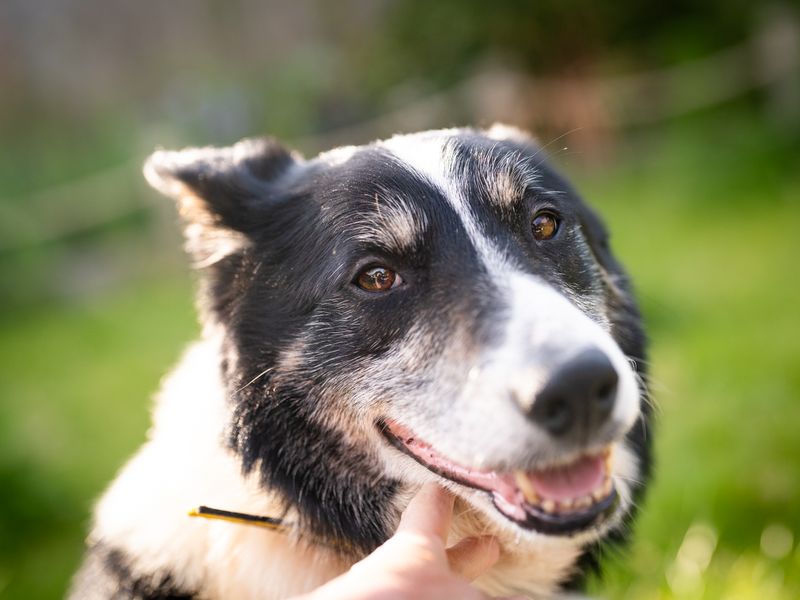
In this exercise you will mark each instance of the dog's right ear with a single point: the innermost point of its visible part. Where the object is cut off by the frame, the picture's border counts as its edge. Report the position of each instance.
(221, 193)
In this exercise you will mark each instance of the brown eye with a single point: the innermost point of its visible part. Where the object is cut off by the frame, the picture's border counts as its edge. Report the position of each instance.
(545, 226)
(377, 279)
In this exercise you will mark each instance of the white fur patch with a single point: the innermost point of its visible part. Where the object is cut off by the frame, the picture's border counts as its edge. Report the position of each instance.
(144, 512)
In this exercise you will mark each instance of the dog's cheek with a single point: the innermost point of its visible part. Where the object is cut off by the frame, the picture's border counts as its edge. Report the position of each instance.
(420, 378)
(348, 338)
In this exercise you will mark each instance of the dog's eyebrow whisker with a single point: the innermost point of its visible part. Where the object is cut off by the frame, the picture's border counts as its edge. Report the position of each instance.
(658, 385)
(544, 147)
(397, 225)
(254, 379)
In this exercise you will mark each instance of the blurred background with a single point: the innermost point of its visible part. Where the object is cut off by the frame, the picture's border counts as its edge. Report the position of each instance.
(679, 120)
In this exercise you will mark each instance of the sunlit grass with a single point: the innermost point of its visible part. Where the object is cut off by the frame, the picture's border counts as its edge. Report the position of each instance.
(75, 388)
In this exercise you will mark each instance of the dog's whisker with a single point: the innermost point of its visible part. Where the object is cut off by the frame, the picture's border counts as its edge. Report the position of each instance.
(544, 147)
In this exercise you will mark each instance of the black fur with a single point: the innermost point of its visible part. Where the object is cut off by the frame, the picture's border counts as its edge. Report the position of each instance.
(265, 314)
(107, 575)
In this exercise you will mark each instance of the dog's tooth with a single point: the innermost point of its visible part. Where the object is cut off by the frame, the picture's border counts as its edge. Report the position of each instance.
(525, 485)
(608, 457)
(583, 502)
(600, 493)
(566, 504)
(607, 485)
(549, 505)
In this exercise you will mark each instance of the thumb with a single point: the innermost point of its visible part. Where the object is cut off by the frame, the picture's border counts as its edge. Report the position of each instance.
(428, 513)
(472, 557)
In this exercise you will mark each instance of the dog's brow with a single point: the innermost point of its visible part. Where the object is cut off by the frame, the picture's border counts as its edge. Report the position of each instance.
(506, 177)
(394, 224)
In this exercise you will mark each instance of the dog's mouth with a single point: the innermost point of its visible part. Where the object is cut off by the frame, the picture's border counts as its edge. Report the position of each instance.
(561, 499)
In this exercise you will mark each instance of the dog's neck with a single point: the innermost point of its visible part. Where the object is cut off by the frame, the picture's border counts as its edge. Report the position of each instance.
(145, 510)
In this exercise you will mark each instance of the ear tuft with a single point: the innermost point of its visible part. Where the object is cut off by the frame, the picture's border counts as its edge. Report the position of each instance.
(221, 192)
(224, 183)
(175, 173)
(501, 131)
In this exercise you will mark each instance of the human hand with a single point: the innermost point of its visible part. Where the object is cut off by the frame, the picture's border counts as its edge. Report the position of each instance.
(414, 563)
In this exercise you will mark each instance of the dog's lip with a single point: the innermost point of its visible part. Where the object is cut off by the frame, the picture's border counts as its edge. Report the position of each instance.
(557, 499)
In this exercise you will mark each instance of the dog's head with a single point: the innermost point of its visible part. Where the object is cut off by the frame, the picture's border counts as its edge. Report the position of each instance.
(438, 306)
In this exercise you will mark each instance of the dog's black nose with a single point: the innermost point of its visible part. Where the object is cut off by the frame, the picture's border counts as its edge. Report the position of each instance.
(578, 397)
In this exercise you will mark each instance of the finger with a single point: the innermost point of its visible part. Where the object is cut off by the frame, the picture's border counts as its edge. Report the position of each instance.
(428, 513)
(472, 557)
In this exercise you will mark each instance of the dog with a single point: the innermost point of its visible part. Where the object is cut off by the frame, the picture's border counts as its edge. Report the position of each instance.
(439, 306)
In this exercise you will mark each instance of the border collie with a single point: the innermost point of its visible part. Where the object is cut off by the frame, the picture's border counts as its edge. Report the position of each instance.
(440, 306)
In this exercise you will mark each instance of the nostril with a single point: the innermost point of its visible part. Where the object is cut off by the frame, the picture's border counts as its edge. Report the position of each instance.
(605, 395)
(556, 416)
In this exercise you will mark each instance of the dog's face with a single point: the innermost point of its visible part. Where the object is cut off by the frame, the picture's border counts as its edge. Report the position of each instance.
(439, 306)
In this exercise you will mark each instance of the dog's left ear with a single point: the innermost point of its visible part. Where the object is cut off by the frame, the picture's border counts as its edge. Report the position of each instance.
(222, 193)
(222, 186)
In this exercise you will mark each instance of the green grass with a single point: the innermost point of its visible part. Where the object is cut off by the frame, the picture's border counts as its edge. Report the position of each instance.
(75, 385)
(706, 218)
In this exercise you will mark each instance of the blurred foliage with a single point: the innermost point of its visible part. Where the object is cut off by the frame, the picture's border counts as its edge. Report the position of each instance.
(704, 209)
(439, 43)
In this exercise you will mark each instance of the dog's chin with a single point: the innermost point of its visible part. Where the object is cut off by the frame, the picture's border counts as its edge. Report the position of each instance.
(569, 498)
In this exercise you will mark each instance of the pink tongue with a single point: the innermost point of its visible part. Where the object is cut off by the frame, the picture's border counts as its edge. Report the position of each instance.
(571, 481)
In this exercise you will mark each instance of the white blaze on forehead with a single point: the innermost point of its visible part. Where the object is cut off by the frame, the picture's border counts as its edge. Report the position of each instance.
(506, 174)
(429, 155)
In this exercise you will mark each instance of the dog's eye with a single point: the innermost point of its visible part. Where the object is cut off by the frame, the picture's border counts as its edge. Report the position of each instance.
(545, 226)
(377, 279)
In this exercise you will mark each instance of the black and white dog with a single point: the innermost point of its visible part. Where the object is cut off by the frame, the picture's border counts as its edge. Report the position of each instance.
(434, 307)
